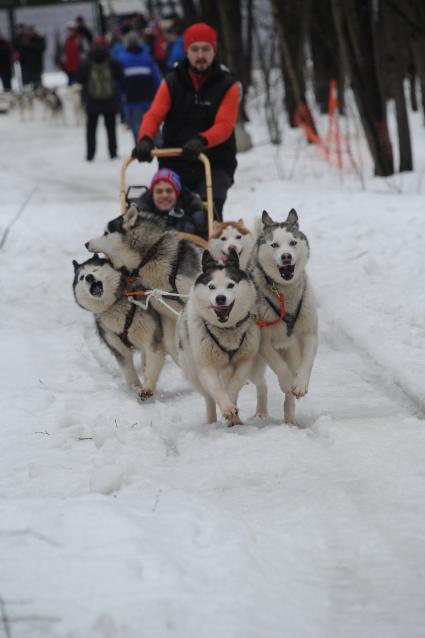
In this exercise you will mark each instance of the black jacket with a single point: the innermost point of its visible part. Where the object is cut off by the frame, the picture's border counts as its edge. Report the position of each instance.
(192, 112)
(188, 215)
(98, 55)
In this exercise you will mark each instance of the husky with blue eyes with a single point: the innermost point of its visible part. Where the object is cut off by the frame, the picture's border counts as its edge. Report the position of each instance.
(287, 313)
(217, 336)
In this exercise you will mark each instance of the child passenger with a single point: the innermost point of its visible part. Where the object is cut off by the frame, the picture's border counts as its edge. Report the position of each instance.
(181, 207)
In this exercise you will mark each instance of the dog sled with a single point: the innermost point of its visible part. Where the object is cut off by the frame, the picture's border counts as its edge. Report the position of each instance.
(127, 198)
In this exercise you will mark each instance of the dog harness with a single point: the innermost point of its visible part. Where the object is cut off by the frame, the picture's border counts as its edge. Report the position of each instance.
(149, 255)
(128, 321)
(230, 353)
(286, 317)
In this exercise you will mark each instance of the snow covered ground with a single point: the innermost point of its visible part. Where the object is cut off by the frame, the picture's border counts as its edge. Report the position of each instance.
(120, 520)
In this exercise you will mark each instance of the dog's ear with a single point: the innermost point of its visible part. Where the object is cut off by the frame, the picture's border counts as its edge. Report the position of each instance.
(292, 218)
(208, 263)
(130, 216)
(215, 225)
(233, 259)
(266, 219)
(76, 265)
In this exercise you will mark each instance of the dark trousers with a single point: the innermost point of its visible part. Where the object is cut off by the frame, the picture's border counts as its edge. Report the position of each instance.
(6, 79)
(110, 131)
(221, 182)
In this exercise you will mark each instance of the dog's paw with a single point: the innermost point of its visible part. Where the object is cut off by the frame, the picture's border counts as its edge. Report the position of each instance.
(232, 415)
(299, 388)
(144, 394)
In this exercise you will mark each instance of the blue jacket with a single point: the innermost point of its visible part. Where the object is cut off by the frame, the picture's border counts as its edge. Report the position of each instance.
(176, 52)
(141, 76)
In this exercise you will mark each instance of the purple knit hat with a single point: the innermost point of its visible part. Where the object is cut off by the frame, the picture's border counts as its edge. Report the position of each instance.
(167, 175)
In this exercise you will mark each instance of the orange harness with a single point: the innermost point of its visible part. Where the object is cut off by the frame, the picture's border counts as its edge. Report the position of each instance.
(132, 293)
(281, 301)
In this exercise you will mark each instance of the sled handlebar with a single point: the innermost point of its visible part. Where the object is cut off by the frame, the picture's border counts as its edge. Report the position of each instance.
(174, 152)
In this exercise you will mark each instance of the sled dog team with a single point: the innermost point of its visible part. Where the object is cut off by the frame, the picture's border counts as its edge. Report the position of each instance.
(230, 311)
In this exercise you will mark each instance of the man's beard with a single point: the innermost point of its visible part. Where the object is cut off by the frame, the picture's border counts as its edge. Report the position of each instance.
(200, 71)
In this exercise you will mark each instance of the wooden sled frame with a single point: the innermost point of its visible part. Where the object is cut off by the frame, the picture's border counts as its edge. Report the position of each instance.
(176, 152)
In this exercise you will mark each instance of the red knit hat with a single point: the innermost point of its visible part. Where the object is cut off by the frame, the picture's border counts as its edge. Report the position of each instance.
(166, 175)
(200, 32)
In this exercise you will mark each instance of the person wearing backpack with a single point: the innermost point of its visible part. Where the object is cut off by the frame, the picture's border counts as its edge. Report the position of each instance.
(141, 80)
(100, 76)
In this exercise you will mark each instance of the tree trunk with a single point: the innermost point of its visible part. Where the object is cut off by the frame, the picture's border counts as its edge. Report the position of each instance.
(353, 22)
(289, 18)
(391, 35)
(324, 50)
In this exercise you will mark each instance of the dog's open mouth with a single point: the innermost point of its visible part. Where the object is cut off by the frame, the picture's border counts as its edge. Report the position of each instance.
(223, 312)
(287, 271)
(96, 289)
(225, 256)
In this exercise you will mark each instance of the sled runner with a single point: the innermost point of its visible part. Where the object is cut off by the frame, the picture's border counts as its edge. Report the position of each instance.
(127, 198)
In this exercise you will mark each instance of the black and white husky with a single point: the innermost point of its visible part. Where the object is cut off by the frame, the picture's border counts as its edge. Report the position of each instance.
(286, 308)
(140, 243)
(121, 325)
(217, 337)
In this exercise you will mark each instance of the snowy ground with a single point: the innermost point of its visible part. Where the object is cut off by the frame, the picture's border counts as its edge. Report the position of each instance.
(126, 521)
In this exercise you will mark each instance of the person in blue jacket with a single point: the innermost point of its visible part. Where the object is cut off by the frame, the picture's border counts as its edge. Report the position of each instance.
(141, 80)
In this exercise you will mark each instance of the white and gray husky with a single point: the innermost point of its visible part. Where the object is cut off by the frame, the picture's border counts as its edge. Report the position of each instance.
(121, 325)
(286, 308)
(217, 337)
(140, 243)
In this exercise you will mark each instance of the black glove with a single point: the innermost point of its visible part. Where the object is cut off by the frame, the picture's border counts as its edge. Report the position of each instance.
(142, 150)
(193, 147)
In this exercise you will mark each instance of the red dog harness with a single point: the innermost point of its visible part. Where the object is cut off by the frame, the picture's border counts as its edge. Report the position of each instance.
(281, 301)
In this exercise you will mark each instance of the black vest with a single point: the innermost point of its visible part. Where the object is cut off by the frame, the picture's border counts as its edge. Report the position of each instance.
(193, 112)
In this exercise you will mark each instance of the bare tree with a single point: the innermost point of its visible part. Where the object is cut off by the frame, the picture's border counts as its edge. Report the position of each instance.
(291, 29)
(391, 35)
(354, 26)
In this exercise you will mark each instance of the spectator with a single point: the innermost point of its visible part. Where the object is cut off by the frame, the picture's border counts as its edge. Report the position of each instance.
(100, 75)
(156, 41)
(141, 80)
(198, 103)
(5, 63)
(183, 209)
(84, 34)
(30, 46)
(71, 52)
(175, 46)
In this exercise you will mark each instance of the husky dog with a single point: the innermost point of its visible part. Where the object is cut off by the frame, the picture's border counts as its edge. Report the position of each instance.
(121, 325)
(52, 103)
(217, 338)
(139, 242)
(286, 309)
(228, 236)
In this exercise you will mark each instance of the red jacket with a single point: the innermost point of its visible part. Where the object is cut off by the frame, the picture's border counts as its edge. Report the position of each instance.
(71, 54)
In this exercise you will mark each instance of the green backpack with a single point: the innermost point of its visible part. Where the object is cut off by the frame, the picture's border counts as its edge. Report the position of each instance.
(101, 85)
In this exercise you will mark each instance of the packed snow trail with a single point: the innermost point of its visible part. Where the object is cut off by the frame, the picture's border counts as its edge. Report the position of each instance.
(121, 520)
